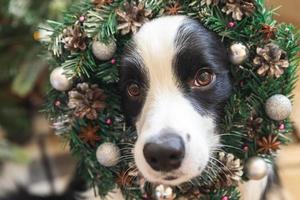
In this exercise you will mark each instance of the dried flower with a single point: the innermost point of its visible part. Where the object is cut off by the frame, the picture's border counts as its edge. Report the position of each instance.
(173, 8)
(268, 144)
(89, 134)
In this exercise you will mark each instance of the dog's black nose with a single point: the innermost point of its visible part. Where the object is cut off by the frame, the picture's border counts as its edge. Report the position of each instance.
(165, 153)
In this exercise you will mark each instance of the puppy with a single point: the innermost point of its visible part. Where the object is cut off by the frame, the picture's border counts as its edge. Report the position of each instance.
(174, 81)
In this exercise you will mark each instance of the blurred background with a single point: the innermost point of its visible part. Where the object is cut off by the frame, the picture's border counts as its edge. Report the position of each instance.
(29, 152)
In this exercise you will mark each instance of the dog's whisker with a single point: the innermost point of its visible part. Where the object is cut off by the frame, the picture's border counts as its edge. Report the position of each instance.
(213, 167)
(124, 158)
(222, 164)
(126, 149)
(229, 146)
(209, 176)
(128, 144)
(216, 169)
(124, 175)
(232, 134)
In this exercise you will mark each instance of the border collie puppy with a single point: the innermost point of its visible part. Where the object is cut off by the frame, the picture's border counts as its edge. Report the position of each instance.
(174, 80)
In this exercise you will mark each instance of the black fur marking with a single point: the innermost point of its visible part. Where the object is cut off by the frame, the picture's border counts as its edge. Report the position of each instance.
(200, 48)
(132, 70)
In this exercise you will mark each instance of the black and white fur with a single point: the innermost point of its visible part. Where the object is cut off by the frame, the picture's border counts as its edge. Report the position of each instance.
(163, 58)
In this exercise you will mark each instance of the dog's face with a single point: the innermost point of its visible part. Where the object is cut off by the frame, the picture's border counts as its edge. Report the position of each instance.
(174, 81)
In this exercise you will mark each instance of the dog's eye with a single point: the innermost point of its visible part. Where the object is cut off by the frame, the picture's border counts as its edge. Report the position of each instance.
(133, 90)
(203, 78)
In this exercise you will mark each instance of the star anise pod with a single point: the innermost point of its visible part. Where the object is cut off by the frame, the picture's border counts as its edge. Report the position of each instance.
(173, 9)
(271, 60)
(124, 179)
(239, 8)
(132, 17)
(268, 31)
(99, 3)
(89, 134)
(74, 38)
(269, 144)
(86, 101)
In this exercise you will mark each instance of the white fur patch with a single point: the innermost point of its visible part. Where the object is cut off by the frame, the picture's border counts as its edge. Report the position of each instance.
(166, 107)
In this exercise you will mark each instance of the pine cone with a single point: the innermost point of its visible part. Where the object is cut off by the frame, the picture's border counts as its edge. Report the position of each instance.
(271, 61)
(132, 17)
(173, 8)
(86, 101)
(74, 39)
(239, 8)
(232, 169)
(253, 125)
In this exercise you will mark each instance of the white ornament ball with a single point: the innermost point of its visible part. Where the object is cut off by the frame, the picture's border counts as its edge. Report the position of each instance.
(103, 51)
(108, 154)
(278, 107)
(59, 80)
(238, 53)
(163, 192)
(256, 168)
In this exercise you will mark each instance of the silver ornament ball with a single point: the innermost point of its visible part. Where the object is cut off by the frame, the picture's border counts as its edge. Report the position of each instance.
(256, 168)
(163, 192)
(59, 80)
(103, 51)
(278, 107)
(108, 154)
(238, 53)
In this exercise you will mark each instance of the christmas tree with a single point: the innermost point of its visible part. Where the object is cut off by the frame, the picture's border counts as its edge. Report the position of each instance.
(23, 68)
(85, 49)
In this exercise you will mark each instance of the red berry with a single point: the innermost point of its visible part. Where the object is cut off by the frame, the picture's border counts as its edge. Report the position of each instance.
(113, 61)
(81, 18)
(231, 24)
(57, 103)
(225, 198)
(245, 148)
(109, 121)
(281, 127)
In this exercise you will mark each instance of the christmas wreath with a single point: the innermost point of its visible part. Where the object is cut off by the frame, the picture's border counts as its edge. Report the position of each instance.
(84, 104)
